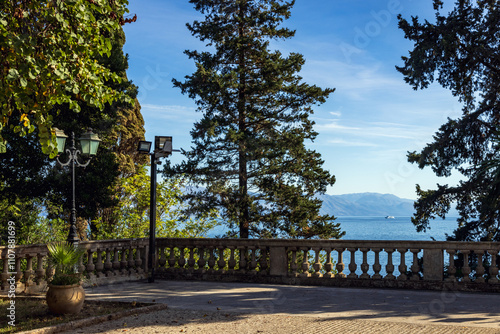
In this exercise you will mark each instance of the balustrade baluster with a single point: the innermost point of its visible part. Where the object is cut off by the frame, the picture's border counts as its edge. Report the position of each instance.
(243, 260)
(40, 271)
(415, 268)
(221, 262)
(182, 259)
(376, 266)
(305, 263)
(451, 266)
(29, 272)
(211, 261)
(389, 267)
(364, 265)
(201, 261)
(116, 261)
(232, 262)
(352, 264)
(138, 261)
(493, 267)
(90, 263)
(124, 262)
(480, 268)
(191, 262)
(253, 261)
(340, 263)
(99, 266)
(108, 265)
(328, 264)
(317, 264)
(171, 259)
(402, 265)
(131, 261)
(466, 270)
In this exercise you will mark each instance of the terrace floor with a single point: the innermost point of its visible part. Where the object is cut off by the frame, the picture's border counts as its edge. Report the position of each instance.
(204, 307)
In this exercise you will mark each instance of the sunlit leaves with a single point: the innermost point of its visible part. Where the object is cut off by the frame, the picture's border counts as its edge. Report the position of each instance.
(132, 214)
(48, 52)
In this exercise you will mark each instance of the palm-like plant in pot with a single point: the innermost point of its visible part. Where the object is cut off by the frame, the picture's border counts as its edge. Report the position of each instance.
(65, 294)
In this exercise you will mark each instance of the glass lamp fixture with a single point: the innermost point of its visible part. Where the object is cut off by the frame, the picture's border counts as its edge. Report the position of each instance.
(89, 142)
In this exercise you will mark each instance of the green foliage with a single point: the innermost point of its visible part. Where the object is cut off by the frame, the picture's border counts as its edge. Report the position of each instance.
(131, 216)
(64, 257)
(48, 52)
(31, 225)
(249, 157)
(27, 173)
(461, 52)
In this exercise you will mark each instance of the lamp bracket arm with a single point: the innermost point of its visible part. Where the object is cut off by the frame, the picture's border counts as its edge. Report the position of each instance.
(78, 163)
(70, 157)
(73, 156)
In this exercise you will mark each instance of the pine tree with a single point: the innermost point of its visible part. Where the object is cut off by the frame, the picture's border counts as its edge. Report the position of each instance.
(249, 157)
(461, 52)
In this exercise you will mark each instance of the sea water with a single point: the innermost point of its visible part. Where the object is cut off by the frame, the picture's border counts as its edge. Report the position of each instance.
(398, 228)
(380, 228)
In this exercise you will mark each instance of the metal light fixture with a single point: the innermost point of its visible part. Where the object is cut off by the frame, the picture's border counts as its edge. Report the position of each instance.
(144, 147)
(163, 148)
(61, 140)
(89, 142)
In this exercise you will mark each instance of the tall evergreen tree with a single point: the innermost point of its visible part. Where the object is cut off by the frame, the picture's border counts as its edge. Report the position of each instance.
(461, 50)
(249, 157)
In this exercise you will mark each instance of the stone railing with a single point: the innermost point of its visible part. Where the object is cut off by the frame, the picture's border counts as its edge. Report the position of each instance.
(346, 263)
(353, 263)
(104, 262)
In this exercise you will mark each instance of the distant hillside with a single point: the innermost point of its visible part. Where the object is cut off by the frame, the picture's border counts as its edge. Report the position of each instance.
(366, 204)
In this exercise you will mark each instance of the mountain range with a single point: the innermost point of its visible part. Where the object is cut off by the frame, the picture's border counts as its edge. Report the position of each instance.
(366, 204)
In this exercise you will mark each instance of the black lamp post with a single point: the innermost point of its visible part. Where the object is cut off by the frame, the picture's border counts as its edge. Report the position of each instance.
(163, 148)
(89, 142)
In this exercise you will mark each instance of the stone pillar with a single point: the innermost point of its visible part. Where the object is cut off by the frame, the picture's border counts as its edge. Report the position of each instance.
(433, 265)
(279, 261)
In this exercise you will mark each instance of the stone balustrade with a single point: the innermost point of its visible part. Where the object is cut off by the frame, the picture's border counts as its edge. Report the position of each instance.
(104, 262)
(346, 263)
(469, 266)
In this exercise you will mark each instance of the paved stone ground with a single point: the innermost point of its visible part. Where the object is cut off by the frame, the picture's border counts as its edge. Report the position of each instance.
(205, 307)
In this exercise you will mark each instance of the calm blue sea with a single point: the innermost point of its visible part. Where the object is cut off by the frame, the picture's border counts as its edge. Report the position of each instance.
(399, 228)
(380, 228)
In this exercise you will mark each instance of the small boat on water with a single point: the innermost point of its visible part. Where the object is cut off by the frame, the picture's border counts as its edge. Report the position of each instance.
(389, 217)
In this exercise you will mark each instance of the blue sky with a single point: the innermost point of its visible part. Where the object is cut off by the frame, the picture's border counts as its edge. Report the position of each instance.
(366, 126)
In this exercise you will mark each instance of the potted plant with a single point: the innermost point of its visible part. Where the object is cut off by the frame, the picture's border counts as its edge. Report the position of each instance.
(65, 294)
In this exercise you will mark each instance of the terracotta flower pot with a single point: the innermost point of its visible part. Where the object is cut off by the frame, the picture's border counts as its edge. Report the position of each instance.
(65, 299)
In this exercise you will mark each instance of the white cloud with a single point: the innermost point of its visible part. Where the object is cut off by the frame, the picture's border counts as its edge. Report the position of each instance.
(349, 143)
(374, 129)
(169, 112)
